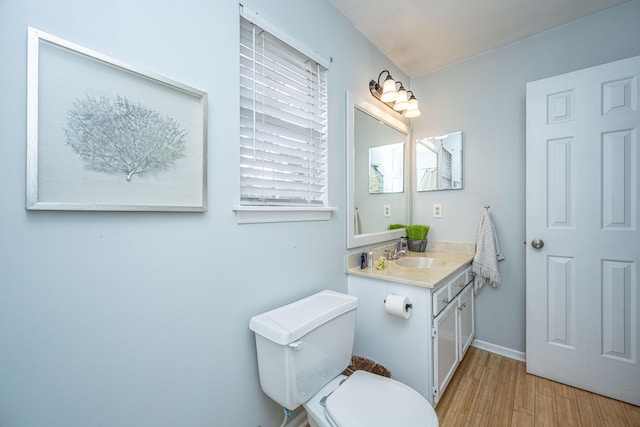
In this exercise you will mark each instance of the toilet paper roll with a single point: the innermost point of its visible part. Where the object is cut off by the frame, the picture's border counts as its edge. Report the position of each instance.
(398, 305)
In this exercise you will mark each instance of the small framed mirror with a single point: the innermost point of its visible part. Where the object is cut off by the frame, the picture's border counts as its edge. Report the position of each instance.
(439, 162)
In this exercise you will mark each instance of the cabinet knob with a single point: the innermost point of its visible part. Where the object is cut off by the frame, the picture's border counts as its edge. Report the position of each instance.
(445, 300)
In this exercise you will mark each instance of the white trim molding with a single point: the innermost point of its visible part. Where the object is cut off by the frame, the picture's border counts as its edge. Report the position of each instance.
(261, 214)
(498, 349)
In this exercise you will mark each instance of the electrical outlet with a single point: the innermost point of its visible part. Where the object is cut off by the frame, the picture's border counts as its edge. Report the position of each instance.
(437, 210)
(387, 210)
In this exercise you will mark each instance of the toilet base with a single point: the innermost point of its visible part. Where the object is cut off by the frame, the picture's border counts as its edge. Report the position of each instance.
(315, 411)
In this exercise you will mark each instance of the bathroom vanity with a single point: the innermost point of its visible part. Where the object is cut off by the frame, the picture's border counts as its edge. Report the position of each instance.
(424, 350)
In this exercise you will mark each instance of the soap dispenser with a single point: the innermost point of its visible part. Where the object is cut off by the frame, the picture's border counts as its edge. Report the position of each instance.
(402, 245)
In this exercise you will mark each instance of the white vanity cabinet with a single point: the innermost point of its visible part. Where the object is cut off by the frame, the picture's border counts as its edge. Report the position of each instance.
(453, 328)
(424, 350)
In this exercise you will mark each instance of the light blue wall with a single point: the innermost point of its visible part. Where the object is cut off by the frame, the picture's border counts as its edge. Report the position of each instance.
(485, 97)
(141, 319)
(135, 319)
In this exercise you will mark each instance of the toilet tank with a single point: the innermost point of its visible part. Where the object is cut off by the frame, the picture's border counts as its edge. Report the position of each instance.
(304, 345)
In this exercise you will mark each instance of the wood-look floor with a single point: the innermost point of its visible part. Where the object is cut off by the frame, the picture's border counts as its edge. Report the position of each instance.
(491, 390)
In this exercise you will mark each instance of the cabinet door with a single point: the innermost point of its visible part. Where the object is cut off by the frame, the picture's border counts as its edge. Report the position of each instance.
(445, 349)
(465, 312)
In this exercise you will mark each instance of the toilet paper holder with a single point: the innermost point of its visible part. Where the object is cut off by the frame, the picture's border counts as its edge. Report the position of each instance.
(407, 307)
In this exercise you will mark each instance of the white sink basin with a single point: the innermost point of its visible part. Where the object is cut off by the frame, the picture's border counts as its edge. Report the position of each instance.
(420, 262)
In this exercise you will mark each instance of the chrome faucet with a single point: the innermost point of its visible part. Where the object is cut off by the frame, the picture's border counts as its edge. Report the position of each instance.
(391, 254)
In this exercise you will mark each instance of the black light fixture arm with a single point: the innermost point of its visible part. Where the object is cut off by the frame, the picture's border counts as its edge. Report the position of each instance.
(373, 85)
(381, 73)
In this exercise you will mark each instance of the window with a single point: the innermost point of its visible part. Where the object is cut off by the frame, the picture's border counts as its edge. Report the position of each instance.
(283, 125)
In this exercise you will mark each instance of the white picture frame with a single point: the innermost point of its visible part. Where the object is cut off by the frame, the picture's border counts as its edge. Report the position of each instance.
(105, 136)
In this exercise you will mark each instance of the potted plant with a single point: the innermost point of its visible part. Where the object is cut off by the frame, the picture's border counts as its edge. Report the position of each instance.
(417, 237)
(396, 226)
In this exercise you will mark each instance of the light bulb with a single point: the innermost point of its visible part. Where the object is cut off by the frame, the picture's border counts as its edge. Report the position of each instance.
(389, 90)
(412, 109)
(402, 102)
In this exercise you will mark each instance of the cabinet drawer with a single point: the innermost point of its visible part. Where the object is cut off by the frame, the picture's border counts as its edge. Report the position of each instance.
(448, 292)
(458, 284)
(441, 298)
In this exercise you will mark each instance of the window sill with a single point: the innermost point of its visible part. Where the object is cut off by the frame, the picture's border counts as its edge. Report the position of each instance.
(265, 214)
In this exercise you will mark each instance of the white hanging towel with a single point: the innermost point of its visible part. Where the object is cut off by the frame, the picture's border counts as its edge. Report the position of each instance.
(485, 261)
(356, 223)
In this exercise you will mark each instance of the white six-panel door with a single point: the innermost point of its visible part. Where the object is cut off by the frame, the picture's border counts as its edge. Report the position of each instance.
(583, 280)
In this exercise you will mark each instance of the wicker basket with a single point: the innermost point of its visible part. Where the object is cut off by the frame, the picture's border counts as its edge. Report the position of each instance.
(359, 363)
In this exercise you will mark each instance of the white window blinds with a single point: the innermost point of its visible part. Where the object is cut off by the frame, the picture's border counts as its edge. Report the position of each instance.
(283, 123)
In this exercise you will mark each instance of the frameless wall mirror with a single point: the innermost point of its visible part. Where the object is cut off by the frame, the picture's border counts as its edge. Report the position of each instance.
(439, 162)
(376, 165)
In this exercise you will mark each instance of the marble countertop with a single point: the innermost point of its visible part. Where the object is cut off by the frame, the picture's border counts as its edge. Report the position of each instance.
(456, 257)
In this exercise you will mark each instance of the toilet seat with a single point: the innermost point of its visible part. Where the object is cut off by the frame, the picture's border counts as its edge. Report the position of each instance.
(369, 400)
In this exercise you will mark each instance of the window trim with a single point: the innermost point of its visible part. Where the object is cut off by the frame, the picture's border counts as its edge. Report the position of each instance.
(251, 214)
(258, 20)
(266, 214)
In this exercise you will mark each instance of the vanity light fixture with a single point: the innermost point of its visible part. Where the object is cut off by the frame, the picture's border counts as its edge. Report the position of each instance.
(398, 98)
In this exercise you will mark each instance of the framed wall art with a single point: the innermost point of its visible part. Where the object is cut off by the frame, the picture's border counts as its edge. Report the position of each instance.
(102, 135)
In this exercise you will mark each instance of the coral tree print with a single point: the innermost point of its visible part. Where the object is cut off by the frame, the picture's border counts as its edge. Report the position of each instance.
(117, 136)
(104, 136)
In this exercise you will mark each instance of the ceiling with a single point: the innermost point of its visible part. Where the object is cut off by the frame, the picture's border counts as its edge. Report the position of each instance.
(419, 36)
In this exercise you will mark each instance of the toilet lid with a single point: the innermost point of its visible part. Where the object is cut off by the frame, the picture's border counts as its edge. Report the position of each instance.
(370, 400)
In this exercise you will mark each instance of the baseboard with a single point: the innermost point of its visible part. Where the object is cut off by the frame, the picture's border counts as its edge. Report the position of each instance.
(299, 421)
(498, 349)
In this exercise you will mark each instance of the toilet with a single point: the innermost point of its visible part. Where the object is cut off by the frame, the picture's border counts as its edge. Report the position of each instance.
(302, 350)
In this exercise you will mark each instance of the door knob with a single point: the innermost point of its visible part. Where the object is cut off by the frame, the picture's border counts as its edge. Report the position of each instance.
(537, 243)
